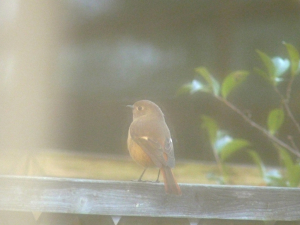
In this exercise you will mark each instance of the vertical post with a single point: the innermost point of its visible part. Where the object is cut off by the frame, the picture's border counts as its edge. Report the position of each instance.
(29, 39)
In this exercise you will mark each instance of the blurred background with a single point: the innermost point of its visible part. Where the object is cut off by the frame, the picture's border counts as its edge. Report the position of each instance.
(68, 68)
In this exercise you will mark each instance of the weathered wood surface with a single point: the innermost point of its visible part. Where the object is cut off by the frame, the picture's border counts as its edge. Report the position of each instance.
(81, 196)
(27, 218)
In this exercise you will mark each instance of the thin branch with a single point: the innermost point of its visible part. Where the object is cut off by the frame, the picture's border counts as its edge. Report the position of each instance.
(286, 105)
(260, 128)
(290, 114)
(289, 90)
(219, 163)
(291, 139)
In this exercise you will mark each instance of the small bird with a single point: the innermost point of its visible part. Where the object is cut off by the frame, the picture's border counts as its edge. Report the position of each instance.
(149, 142)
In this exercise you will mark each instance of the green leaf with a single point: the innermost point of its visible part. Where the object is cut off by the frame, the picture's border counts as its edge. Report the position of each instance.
(275, 120)
(184, 89)
(222, 140)
(294, 57)
(232, 147)
(292, 170)
(192, 88)
(281, 66)
(275, 178)
(294, 176)
(211, 81)
(211, 126)
(232, 81)
(272, 177)
(286, 158)
(263, 74)
(217, 178)
(257, 160)
(268, 63)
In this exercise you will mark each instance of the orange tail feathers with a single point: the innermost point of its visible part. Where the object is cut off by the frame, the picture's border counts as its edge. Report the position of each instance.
(171, 185)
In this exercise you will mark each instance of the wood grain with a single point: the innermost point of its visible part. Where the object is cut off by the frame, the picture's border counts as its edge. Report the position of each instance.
(82, 196)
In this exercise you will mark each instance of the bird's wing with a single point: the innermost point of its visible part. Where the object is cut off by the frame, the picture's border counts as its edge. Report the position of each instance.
(151, 138)
(169, 151)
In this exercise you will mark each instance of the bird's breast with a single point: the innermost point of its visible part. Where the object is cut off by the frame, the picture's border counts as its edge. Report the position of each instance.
(138, 154)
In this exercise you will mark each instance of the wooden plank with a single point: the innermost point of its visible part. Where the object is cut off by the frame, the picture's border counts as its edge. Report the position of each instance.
(80, 196)
(128, 220)
(58, 218)
(15, 218)
(95, 220)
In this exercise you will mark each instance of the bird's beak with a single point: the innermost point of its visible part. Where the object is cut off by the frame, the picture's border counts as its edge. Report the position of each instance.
(130, 106)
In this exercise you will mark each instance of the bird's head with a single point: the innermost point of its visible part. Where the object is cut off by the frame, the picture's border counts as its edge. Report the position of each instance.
(146, 107)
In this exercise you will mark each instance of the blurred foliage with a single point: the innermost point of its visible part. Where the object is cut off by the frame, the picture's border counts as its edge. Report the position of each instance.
(224, 146)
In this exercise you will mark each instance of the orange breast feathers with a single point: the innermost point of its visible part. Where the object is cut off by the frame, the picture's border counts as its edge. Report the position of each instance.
(138, 154)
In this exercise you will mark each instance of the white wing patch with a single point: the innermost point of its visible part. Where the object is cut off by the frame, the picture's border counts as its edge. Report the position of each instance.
(145, 138)
(168, 145)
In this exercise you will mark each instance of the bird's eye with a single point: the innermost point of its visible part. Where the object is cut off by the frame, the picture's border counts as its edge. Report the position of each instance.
(140, 108)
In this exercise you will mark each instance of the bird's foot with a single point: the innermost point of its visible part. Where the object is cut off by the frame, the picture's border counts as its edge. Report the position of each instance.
(146, 181)
(138, 180)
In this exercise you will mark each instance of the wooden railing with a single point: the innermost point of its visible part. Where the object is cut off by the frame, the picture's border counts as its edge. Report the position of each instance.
(45, 200)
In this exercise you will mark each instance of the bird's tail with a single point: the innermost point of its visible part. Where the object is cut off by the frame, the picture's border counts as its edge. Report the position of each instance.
(171, 185)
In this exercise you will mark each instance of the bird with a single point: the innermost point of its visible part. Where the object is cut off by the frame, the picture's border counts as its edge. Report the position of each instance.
(150, 144)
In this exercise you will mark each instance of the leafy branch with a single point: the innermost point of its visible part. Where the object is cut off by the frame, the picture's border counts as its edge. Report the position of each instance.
(274, 73)
(260, 128)
(275, 70)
